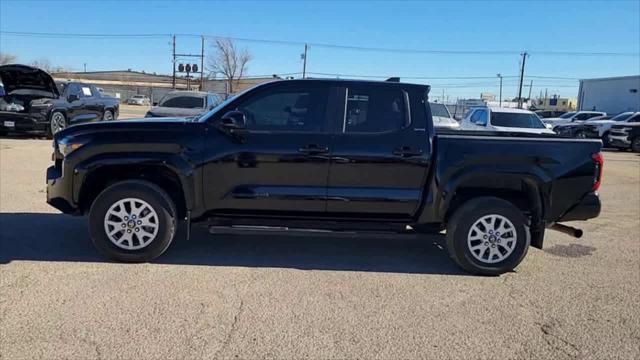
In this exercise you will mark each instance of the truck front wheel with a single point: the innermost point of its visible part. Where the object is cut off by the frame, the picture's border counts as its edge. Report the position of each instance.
(487, 236)
(132, 221)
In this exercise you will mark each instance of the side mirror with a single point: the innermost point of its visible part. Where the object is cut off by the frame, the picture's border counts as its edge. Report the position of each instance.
(233, 120)
(72, 98)
(155, 103)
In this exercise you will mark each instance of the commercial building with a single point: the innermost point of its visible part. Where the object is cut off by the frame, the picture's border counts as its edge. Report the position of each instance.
(612, 95)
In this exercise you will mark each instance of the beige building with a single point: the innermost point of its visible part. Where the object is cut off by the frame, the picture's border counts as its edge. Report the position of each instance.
(557, 104)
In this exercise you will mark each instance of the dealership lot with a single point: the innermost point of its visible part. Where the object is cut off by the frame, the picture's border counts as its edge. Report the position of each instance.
(305, 297)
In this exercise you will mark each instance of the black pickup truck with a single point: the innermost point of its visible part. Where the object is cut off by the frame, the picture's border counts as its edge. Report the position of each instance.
(32, 102)
(329, 155)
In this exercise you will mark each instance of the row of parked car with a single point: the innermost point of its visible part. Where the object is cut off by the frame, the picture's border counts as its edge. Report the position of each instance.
(32, 102)
(620, 131)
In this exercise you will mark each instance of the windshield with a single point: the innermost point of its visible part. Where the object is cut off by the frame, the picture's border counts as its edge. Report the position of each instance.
(567, 115)
(206, 115)
(439, 110)
(529, 121)
(622, 117)
(182, 101)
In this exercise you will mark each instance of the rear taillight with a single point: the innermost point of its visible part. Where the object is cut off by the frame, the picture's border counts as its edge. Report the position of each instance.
(598, 159)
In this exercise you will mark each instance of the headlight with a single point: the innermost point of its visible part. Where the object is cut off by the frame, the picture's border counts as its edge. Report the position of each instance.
(66, 147)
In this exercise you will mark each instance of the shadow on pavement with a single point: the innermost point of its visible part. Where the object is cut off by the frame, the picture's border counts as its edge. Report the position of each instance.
(57, 237)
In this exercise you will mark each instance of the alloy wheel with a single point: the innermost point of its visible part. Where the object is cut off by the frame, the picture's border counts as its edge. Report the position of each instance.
(492, 238)
(58, 123)
(131, 224)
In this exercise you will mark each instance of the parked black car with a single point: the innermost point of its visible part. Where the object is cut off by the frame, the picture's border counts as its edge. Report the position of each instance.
(184, 104)
(336, 155)
(626, 136)
(33, 102)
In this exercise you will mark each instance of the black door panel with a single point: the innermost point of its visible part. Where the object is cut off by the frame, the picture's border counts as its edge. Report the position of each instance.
(379, 160)
(279, 162)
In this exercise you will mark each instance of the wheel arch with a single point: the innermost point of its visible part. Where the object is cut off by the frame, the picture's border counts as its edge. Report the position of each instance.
(101, 177)
(524, 192)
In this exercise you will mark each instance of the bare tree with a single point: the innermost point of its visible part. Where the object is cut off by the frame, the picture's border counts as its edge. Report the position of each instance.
(45, 64)
(228, 61)
(6, 58)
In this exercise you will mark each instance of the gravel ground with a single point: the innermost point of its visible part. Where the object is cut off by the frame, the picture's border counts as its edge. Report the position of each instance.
(302, 297)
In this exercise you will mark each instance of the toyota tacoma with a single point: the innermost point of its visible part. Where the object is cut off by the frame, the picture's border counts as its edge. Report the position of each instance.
(329, 156)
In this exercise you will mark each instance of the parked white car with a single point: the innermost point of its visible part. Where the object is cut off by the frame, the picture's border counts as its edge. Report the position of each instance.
(139, 100)
(442, 117)
(504, 119)
(572, 116)
(596, 127)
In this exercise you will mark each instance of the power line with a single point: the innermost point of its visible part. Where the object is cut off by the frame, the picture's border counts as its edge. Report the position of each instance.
(325, 45)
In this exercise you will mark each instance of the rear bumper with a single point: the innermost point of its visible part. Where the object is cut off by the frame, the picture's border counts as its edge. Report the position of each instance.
(22, 122)
(59, 192)
(588, 208)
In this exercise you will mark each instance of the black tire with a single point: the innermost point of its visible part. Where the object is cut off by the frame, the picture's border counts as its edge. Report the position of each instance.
(605, 140)
(108, 115)
(459, 228)
(159, 202)
(635, 144)
(53, 118)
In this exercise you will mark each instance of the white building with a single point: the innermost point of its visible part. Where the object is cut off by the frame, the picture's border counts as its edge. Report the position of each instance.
(612, 95)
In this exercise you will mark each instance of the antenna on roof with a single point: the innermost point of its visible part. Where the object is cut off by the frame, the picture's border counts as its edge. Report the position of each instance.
(393, 79)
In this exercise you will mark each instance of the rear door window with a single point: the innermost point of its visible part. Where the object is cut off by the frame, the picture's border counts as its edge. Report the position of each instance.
(374, 109)
(185, 102)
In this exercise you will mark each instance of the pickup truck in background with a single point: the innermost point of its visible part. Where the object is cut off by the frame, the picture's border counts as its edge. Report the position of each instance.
(32, 102)
(596, 128)
(503, 120)
(626, 136)
(330, 155)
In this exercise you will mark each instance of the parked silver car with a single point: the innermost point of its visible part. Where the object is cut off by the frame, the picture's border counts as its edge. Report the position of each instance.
(139, 100)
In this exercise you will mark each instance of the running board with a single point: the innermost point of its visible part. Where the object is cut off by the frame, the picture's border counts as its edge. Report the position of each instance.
(239, 229)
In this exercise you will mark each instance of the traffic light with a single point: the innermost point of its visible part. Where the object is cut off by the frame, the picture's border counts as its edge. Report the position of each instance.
(194, 67)
(188, 68)
(181, 67)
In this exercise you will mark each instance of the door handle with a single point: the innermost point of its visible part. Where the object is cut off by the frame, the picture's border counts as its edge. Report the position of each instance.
(313, 149)
(406, 151)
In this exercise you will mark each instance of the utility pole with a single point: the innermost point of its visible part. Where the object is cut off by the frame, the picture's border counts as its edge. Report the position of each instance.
(85, 67)
(524, 59)
(173, 80)
(545, 98)
(500, 101)
(443, 96)
(304, 62)
(202, 65)
(530, 86)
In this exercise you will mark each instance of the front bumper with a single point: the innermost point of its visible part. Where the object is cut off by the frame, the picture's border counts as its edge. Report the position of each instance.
(59, 191)
(619, 141)
(22, 122)
(588, 208)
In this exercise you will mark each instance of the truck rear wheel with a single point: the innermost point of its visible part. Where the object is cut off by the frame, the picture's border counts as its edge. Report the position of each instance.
(487, 236)
(133, 221)
(635, 144)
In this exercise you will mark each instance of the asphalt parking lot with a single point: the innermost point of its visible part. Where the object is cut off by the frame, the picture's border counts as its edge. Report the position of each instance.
(303, 297)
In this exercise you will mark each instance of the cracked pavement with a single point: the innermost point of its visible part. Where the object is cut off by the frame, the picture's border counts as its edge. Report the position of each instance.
(289, 297)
